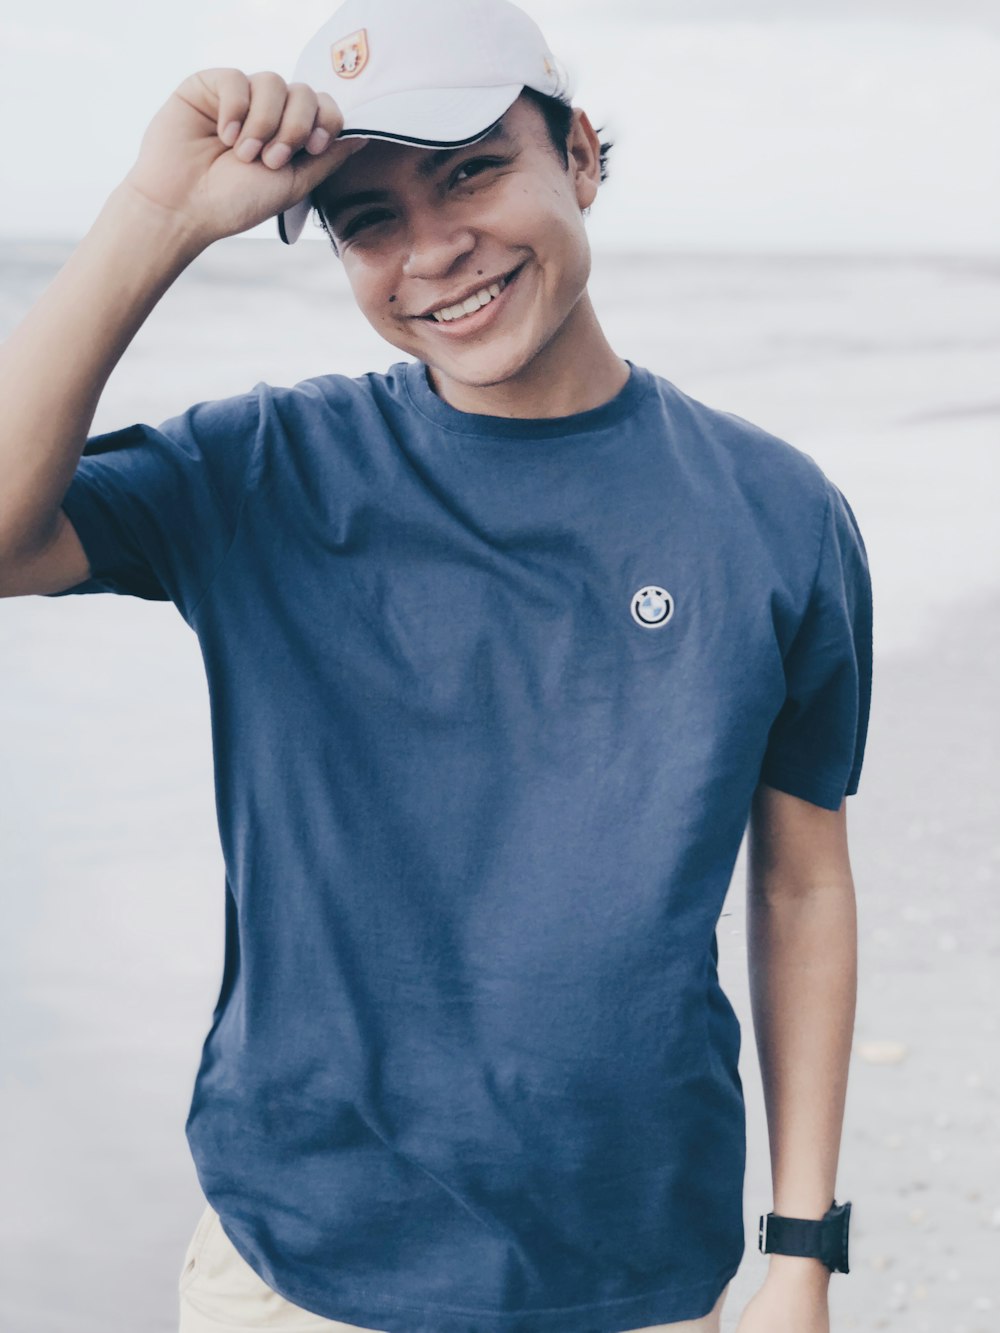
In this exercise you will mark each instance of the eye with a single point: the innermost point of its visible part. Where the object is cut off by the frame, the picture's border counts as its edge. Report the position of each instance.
(474, 164)
(363, 220)
(483, 162)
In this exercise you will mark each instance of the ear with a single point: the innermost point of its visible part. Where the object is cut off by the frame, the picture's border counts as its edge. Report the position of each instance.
(584, 148)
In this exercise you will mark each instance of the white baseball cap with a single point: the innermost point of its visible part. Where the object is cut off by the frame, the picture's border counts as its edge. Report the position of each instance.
(433, 73)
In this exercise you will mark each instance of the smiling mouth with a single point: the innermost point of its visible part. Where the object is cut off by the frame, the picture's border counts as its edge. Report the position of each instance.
(505, 282)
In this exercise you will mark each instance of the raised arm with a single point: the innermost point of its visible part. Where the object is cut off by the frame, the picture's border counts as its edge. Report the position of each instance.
(53, 370)
(187, 188)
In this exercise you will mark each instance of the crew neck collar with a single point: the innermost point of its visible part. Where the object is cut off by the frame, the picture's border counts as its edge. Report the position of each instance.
(442, 414)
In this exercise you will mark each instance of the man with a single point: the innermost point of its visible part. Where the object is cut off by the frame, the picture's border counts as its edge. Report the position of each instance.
(505, 648)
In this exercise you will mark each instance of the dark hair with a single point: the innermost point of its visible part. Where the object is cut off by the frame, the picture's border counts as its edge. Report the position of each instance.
(558, 116)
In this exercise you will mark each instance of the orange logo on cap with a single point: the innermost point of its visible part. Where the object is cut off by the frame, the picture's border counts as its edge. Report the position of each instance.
(349, 56)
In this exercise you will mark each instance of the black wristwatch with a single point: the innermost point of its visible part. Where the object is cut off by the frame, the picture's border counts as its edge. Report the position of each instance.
(811, 1238)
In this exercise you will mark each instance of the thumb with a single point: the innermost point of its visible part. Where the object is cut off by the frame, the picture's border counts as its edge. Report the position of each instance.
(310, 170)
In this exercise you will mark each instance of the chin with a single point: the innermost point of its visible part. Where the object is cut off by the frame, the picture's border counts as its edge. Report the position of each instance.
(482, 366)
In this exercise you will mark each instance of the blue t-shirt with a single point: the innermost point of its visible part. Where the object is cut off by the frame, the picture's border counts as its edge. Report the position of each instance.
(490, 698)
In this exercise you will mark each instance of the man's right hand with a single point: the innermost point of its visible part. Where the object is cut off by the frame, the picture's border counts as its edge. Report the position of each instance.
(190, 163)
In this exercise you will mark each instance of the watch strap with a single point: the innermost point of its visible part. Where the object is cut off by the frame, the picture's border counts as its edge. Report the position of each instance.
(811, 1238)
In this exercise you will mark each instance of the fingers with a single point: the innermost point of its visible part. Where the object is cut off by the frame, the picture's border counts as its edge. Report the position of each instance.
(262, 115)
(230, 89)
(329, 121)
(275, 119)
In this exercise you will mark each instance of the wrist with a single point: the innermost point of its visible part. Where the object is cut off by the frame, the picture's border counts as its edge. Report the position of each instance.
(167, 238)
(798, 1270)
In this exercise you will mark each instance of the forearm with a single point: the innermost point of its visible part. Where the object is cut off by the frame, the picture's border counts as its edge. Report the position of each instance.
(802, 947)
(54, 366)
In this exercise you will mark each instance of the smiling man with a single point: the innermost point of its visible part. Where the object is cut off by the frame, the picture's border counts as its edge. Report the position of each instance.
(506, 648)
(421, 232)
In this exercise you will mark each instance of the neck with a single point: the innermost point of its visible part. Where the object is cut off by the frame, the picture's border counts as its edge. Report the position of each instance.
(574, 372)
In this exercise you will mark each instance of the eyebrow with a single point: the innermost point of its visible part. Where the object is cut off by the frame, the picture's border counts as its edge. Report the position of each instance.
(428, 166)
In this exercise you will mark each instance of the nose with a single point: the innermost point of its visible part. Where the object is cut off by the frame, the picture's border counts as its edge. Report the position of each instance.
(435, 244)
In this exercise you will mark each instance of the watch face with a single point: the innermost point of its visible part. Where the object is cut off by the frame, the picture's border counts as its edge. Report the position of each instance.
(835, 1227)
(845, 1209)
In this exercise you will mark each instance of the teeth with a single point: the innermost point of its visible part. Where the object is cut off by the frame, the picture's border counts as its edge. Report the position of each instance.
(471, 303)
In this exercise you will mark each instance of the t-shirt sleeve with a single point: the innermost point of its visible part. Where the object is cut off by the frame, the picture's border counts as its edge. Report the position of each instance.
(156, 507)
(816, 743)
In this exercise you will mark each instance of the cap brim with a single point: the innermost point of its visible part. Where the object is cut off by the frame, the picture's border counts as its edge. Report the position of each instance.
(440, 118)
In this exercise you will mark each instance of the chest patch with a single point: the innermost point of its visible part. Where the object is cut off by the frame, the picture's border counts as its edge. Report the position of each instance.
(651, 606)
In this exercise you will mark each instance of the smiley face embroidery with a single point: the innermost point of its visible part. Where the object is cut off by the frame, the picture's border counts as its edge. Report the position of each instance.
(651, 606)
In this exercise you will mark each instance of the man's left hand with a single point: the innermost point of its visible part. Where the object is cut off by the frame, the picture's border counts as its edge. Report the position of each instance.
(787, 1303)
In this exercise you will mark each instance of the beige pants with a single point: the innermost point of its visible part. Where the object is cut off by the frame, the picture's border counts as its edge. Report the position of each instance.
(220, 1293)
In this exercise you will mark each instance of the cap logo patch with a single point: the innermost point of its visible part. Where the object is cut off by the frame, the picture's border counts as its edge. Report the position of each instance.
(349, 55)
(651, 606)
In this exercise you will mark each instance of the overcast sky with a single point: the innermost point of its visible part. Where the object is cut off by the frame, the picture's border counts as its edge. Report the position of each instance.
(753, 125)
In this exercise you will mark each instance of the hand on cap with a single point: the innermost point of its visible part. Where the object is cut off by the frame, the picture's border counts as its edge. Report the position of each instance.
(229, 150)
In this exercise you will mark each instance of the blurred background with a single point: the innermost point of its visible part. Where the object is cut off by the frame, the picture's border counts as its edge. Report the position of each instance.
(789, 126)
(802, 226)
